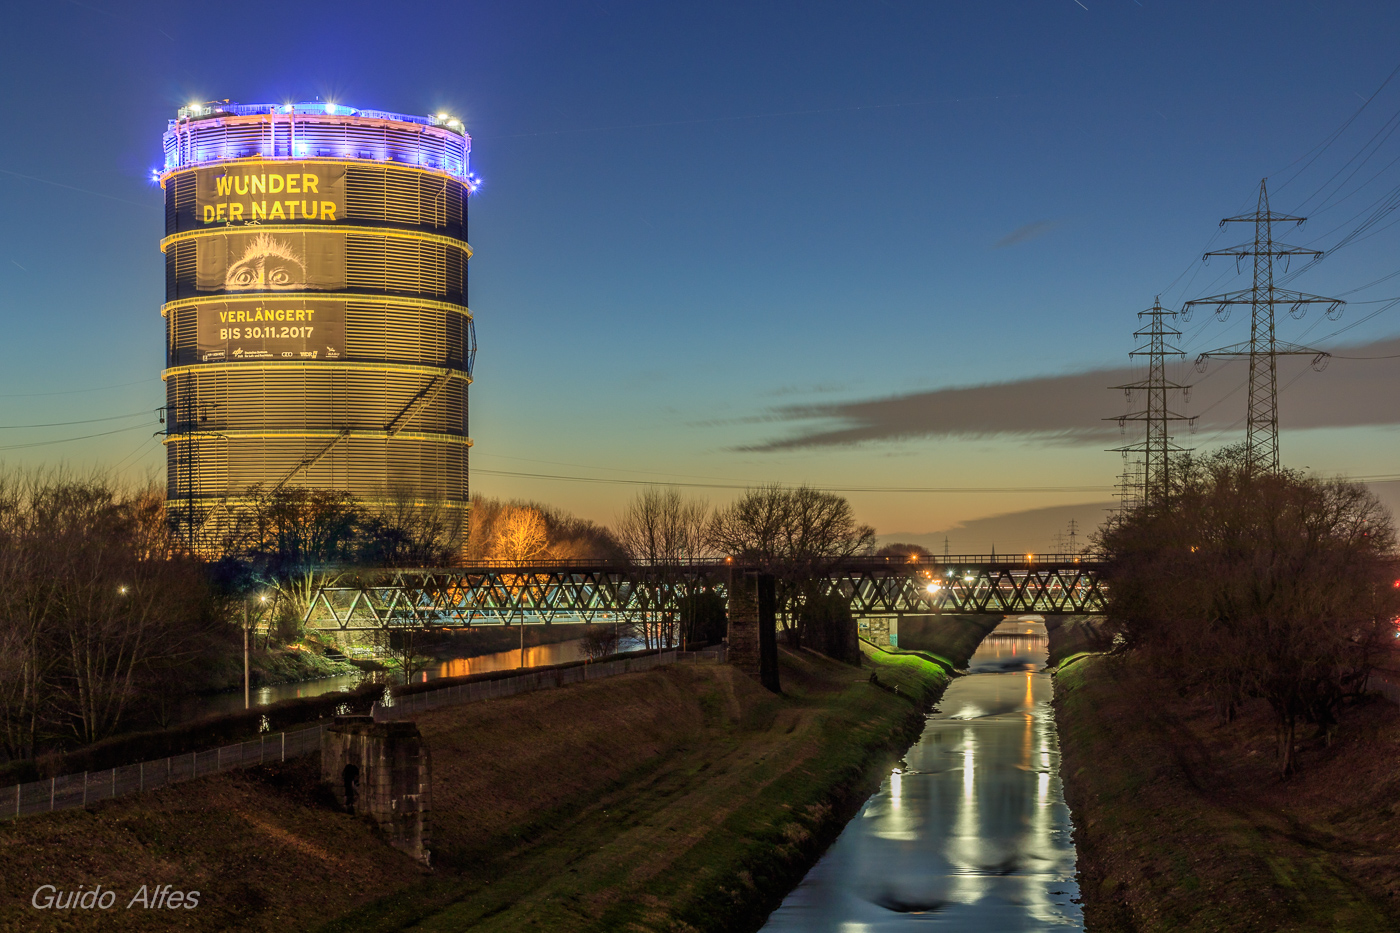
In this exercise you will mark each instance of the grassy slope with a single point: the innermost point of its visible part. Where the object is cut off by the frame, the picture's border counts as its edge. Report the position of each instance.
(1183, 824)
(686, 798)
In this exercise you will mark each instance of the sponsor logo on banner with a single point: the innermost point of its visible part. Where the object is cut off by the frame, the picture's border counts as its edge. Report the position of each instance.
(268, 329)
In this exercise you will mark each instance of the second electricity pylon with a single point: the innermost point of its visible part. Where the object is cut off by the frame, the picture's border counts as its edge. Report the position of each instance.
(1263, 348)
(1157, 448)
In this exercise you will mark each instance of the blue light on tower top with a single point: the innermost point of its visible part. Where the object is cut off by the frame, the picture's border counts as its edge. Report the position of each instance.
(219, 131)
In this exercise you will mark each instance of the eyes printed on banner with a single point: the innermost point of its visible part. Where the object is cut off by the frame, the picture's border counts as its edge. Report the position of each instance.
(267, 263)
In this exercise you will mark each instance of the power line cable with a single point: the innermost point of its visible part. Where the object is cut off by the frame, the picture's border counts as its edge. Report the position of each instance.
(64, 424)
(1373, 144)
(896, 489)
(119, 385)
(66, 440)
(1326, 143)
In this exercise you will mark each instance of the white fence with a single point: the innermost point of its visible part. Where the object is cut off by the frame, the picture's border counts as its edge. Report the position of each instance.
(80, 790)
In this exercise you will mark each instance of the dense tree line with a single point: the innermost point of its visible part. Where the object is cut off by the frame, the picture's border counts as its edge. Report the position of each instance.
(801, 534)
(105, 610)
(98, 609)
(797, 533)
(1250, 584)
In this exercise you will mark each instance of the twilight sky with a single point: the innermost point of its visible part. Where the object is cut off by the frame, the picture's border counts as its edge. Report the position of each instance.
(868, 246)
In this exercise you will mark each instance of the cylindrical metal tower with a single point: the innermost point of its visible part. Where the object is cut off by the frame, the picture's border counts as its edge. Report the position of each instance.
(317, 327)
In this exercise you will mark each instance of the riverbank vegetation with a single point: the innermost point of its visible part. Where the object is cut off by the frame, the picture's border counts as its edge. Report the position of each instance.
(111, 625)
(1183, 823)
(99, 619)
(683, 798)
(1224, 763)
(1248, 584)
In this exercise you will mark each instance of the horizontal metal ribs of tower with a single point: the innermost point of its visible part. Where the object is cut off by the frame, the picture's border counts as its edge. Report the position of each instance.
(602, 592)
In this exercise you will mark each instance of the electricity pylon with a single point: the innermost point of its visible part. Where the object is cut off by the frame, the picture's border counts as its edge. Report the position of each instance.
(1157, 448)
(1130, 485)
(1263, 348)
(1067, 541)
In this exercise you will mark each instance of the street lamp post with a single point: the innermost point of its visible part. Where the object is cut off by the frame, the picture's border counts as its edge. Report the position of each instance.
(247, 624)
(246, 703)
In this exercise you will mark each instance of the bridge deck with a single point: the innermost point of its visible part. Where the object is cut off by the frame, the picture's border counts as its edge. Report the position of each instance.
(544, 592)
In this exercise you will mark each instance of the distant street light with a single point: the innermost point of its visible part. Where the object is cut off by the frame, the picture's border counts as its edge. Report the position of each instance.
(247, 700)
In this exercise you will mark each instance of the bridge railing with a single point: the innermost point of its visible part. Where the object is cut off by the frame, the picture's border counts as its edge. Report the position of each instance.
(724, 563)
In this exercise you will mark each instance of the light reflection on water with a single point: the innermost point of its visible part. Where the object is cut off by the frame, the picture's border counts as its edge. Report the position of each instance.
(972, 831)
(537, 656)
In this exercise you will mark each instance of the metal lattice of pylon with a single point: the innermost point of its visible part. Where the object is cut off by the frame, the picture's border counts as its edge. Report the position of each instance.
(1157, 448)
(1263, 348)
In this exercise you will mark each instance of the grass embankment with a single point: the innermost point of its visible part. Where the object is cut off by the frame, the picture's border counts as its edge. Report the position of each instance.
(685, 798)
(267, 666)
(1182, 823)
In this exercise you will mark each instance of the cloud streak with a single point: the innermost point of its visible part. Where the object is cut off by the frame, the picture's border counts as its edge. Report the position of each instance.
(1068, 408)
(1026, 234)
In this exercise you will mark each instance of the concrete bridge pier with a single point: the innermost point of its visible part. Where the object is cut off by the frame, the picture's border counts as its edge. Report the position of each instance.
(382, 771)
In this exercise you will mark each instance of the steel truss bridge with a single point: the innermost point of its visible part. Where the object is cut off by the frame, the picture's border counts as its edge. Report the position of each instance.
(569, 592)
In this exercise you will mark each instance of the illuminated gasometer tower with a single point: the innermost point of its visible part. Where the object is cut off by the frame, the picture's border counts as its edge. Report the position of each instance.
(317, 328)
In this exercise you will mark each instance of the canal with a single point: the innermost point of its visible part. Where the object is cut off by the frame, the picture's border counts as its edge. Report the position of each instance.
(970, 831)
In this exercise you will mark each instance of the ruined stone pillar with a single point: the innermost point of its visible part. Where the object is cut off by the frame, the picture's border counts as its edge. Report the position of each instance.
(753, 620)
(382, 771)
(743, 620)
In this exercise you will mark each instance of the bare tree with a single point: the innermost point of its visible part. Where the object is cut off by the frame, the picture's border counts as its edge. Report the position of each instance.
(294, 539)
(409, 530)
(663, 530)
(521, 535)
(97, 606)
(801, 534)
(599, 640)
(659, 526)
(26, 666)
(574, 538)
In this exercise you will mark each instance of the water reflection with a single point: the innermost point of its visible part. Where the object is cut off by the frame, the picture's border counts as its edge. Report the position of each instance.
(538, 656)
(232, 702)
(971, 832)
